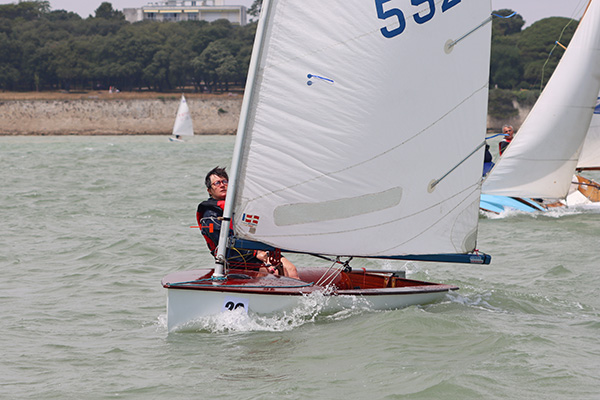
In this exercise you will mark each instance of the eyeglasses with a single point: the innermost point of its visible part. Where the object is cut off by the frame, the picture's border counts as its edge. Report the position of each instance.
(219, 183)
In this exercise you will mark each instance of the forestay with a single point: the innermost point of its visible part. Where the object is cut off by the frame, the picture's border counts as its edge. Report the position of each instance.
(358, 108)
(541, 159)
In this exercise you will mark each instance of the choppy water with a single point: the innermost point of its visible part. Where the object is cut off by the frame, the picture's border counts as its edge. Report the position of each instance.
(89, 226)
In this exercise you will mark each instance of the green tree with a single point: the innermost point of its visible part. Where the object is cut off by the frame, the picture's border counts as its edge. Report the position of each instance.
(500, 104)
(157, 72)
(255, 8)
(106, 11)
(26, 10)
(510, 25)
(539, 52)
(506, 67)
(215, 64)
(9, 54)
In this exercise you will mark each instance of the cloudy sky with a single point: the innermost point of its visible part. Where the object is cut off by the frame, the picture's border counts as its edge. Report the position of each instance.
(531, 10)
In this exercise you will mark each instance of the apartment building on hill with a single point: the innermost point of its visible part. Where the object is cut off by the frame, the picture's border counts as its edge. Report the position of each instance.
(187, 10)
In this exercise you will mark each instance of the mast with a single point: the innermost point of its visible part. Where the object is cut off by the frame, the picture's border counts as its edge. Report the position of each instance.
(249, 94)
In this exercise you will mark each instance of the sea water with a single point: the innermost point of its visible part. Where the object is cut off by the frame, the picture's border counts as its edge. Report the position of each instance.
(90, 225)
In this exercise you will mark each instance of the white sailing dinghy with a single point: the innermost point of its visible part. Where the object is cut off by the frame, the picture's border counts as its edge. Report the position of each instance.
(542, 158)
(361, 135)
(183, 125)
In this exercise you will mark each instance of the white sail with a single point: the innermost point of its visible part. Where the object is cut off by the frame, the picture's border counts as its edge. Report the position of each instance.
(357, 108)
(590, 153)
(183, 122)
(541, 159)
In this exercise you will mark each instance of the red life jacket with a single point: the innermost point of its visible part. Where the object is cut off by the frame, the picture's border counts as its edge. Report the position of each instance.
(211, 230)
(216, 206)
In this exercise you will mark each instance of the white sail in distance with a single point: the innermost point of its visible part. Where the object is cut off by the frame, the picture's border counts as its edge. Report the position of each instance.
(358, 108)
(183, 122)
(541, 159)
(590, 153)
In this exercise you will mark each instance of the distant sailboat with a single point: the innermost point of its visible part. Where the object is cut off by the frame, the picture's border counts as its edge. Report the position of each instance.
(343, 151)
(183, 122)
(542, 158)
(586, 191)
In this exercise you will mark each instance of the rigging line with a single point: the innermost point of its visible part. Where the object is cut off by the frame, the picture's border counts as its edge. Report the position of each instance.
(561, 45)
(594, 184)
(321, 280)
(505, 16)
(324, 280)
(435, 183)
(453, 43)
(556, 43)
(493, 136)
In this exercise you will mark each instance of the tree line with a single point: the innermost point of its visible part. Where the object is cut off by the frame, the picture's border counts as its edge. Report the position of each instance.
(42, 49)
(523, 60)
(49, 50)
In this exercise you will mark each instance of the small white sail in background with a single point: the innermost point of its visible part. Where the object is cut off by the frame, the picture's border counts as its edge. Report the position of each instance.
(183, 122)
(590, 154)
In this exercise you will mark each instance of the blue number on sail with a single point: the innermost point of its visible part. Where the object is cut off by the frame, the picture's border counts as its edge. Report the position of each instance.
(421, 19)
(391, 13)
(448, 4)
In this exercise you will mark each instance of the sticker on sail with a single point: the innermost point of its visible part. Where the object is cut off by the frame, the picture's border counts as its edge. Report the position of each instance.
(317, 78)
(251, 221)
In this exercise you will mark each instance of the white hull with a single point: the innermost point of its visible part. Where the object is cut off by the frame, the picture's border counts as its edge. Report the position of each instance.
(272, 295)
(186, 306)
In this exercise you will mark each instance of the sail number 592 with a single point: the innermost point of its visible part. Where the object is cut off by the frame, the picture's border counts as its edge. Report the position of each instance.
(398, 15)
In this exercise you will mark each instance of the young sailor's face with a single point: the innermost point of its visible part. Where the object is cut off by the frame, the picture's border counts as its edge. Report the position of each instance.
(218, 187)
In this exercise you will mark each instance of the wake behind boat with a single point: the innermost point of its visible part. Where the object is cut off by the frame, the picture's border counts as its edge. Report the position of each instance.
(334, 154)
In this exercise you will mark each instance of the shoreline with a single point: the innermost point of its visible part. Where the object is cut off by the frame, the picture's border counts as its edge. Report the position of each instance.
(100, 113)
(103, 113)
(106, 95)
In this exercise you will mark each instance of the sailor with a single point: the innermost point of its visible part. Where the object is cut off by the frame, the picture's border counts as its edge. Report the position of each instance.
(487, 160)
(209, 215)
(508, 132)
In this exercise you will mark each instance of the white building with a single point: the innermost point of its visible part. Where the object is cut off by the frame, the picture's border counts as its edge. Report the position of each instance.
(187, 10)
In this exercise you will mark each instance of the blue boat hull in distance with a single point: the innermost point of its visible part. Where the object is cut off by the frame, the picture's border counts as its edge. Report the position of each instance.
(498, 204)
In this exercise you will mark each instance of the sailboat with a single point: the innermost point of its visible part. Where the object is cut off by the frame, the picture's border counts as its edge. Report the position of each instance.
(537, 169)
(183, 122)
(361, 136)
(585, 191)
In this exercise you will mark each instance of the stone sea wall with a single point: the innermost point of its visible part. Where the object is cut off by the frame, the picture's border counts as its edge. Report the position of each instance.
(116, 117)
(215, 116)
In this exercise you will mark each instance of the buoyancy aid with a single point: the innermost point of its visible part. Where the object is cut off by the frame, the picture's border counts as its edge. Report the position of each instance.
(208, 216)
(503, 145)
